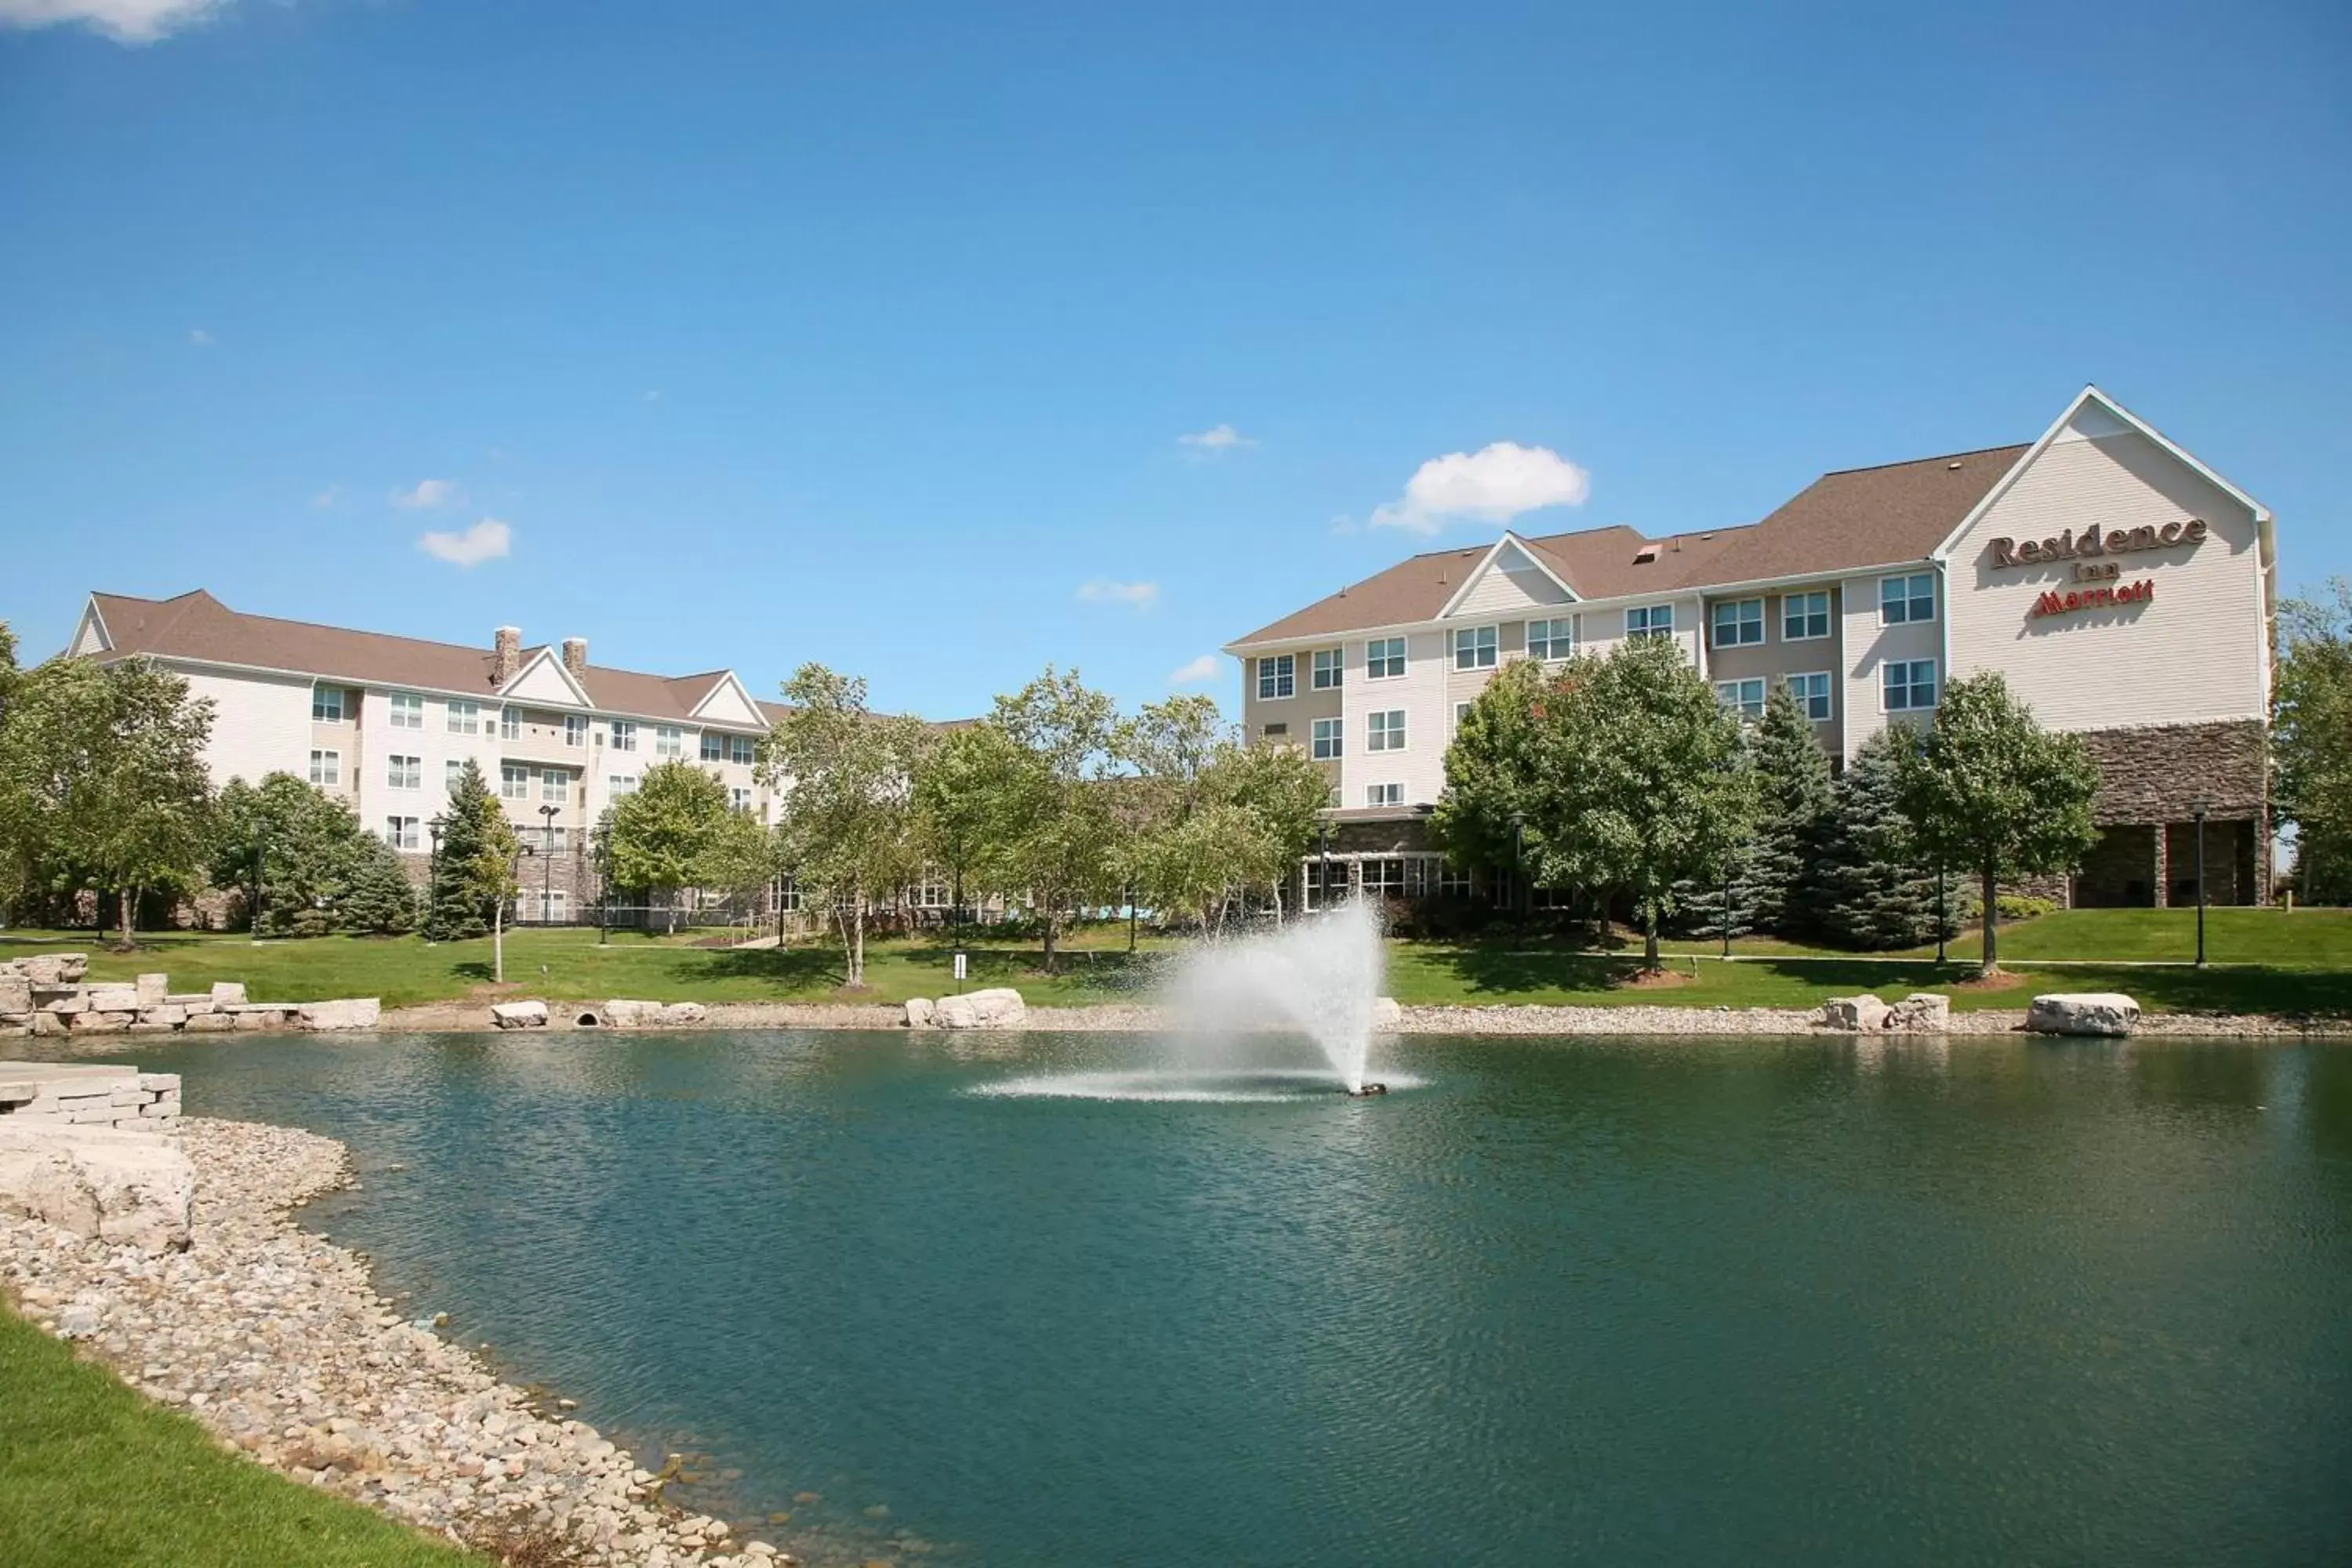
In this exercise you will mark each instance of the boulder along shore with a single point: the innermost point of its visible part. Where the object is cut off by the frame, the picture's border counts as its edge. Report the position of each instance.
(276, 1339)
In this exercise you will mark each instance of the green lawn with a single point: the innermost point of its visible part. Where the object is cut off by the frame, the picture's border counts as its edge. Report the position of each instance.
(2263, 961)
(92, 1472)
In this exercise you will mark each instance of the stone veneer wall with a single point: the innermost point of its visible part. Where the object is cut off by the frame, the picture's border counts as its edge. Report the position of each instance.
(46, 995)
(43, 1095)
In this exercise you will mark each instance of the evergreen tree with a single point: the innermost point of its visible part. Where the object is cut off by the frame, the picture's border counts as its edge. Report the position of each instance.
(310, 847)
(378, 899)
(1723, 905)
(473, 868)
(1793, 804)
(1865, 886)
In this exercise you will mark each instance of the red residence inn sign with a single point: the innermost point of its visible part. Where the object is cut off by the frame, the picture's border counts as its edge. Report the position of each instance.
(2091, 543)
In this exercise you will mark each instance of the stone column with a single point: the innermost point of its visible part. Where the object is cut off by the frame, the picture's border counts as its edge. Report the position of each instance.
(2163, 836)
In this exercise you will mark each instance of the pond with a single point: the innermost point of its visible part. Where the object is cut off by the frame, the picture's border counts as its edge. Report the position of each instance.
(1620, 1302)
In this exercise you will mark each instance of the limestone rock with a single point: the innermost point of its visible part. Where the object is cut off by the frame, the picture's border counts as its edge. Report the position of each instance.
(955, 1013)
(15, 994)
(212, 1023)
(625, 1013)
(1386, 1014)
(1853, 1014)
(99, 1023)
(998, 1008)
(518, 1015)
(126, 1188)
(1922, 1012)
(674, 1013)
(165, 1014)
(920, 1012)
(152, 989)
(2082, 1013)
(354, 1013)
(228, 993)
(114, 998)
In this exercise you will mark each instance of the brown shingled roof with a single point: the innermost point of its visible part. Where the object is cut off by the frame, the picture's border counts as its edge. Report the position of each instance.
(1850, 518)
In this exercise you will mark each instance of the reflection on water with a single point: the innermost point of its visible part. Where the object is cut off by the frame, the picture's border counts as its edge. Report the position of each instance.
(1824, 1302)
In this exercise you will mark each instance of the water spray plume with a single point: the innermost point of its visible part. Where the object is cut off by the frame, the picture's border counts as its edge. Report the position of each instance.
(1318, 977)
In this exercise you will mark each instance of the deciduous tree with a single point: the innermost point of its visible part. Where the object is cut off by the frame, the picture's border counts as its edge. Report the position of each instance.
(1057, 831)
(313, 854)
(1988, 789)
(2310, 739)
(671, 832)
(1492, 769)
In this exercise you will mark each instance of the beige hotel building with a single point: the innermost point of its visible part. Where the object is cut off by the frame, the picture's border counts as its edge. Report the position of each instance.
(2125, 589)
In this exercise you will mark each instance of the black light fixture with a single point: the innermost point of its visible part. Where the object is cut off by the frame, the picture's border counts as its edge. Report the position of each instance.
(1323, 881)
(2196, 814)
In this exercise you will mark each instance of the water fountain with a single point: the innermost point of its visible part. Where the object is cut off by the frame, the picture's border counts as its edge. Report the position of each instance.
(1318, 977)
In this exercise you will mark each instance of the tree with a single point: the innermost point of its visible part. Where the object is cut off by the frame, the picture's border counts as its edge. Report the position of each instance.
(1636, 783)
(378, 900)
(955, 801)
(310, 847)
(847, 777)
(1792, 806)
(1055, 832)
(1491, 770)
(2310, 739)
(1278, 794)
(671, 832)
(103, 777)
(1988, 789)
(473, 871)
(1864, 887)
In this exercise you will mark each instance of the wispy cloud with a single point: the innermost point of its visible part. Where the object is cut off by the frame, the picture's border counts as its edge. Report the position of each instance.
(1103, 591)
(1216, 439)
(197, 337)
(486, 541)
(125, 21)
(328, 497)
(427, 493)
(1494, 484)
(1202, 668)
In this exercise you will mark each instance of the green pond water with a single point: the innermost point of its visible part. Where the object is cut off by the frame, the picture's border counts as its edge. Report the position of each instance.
(1550, 1302)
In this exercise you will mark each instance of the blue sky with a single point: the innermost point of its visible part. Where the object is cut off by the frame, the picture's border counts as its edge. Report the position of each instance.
(871, 335)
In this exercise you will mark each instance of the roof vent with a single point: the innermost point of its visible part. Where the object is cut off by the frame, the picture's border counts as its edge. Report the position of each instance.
(1953, 464)
(1648, 552)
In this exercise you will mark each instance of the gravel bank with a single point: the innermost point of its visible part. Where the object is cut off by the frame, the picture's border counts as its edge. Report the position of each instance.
(276, 1340)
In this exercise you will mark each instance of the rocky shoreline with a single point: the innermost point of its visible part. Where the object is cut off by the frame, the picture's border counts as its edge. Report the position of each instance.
(276, 1339)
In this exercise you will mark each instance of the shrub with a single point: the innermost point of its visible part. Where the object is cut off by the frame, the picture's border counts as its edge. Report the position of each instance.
(2011, 907)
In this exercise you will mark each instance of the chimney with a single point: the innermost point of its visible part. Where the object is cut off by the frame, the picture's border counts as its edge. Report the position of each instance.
(576, 657)
(506, 655)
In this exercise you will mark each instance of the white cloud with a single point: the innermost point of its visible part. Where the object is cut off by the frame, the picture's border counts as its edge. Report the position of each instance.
(486, 541)
(427, 493)
(197, 337)
(125, 21)
(1216, 439)
(1202, 668)
(1495, 484)
(1103, 591)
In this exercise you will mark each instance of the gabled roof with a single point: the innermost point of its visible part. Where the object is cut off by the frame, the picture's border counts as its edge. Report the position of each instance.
(1850, 519)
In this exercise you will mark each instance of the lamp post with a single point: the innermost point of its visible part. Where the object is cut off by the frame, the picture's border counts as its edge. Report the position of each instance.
(2197, 814)
(1725, 923)
(255, 912)
(547, 873)
(1520, 892)
(1323, 878)
(1942, 923)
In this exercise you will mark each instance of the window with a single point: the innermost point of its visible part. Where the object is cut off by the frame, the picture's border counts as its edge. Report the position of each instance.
(1313, 881)
(1650, 621)
(667, 742)
(1813, 693)
(1277, 676)
(1474, 647)
(1326, 744)
(451, 772)
(404, 773)
(619, 785)
(1333, 800)
(1738, 623)
(465, 718)
(514, 781)
(1394, 876)
(742, 749)
(554, 783)
(1804, 616)
(547, 841)
(1450, 882)
(929, 893)
(1908, 685)
(326, 767)
(509, 723)
(552, 906)
(740, 798)
(1328, 665)
(327, 704)
(1905, 599)
(1385, 731)
(1384, 794)
(1745, 698)
(400, 832)
(1551, 640)
(575, 730)
(788, 895)
(408, 709)
(624, 735)
(1461, 712)
(1383, 657)
(714, 747)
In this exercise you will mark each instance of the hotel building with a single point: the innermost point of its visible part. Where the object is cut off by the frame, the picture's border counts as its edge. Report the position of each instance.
(384, 725)
(2123, 588)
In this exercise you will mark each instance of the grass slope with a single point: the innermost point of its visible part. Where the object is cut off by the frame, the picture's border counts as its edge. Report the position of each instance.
(2266, 961)
(92, 1472)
